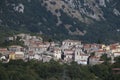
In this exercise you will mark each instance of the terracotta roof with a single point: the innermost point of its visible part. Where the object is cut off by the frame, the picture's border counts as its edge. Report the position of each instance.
(3, 49)
(12, 52)
(84, 55)
(68, 51)
(30, 52)
(86, 46)
(113, 47)
(95, 57)
(117, 52)
(100, 50)
(115, 68)
(57, 49)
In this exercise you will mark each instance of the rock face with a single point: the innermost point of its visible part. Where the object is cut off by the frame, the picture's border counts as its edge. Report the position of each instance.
(78, 8)
(79, 19)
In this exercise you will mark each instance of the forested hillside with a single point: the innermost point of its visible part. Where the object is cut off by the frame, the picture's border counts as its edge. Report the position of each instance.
(34, 70)
(77, 19)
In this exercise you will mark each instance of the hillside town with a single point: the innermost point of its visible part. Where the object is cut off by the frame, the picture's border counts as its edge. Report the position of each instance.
(66, 51)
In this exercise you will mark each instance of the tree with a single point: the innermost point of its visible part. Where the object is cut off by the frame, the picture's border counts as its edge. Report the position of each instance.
(105, 58)
(18, 38)
(0, 54)
(3, 74)
(92, 54)
(117, 59)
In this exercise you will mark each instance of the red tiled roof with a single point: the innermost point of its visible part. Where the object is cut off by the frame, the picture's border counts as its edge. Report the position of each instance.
(117, 52)
(94, 57)
(31, 52)
(68, 51)
(57, 49)
(84, 55)
(113, 47)
(101, 51)
(12, 52)
(115, 68)
(3, 49)
(86, 46)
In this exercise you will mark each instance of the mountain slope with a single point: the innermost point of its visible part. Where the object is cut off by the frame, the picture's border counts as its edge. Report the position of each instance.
(89, 20)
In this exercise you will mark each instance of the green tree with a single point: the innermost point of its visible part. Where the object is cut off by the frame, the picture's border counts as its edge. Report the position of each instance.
(105, 58)
(0, 54)
(117, 59)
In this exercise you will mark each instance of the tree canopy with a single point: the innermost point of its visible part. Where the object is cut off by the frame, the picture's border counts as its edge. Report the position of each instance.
(34, 70)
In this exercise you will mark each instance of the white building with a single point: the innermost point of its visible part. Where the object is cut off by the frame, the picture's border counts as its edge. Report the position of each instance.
(15, 48)
(10, 38)
(37, 57)
(93, 60)
(19, 55)
(116, 54)
(46, 58)
(80, 57)
(66, 44)
(4, 51)
(38, 47)
(57, 53)
(68, 55)
(115, 50)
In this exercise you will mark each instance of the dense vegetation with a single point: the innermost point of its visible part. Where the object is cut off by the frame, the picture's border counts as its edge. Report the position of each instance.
(37, 18)
(34, 70)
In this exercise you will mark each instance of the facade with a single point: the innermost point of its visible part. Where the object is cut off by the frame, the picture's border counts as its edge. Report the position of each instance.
(68, 55)
(94, 60)
(100, 52)
(57, 53)
(19, 55)
(15, 48)
(116, 54)
(80, 57)
(9, 38)
(16, 55)
(4, 51)
(67, 44)
(12, 56)
(69, 50)
(46, 58)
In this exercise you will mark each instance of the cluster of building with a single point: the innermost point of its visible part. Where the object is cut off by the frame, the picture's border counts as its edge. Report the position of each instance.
(66, 51)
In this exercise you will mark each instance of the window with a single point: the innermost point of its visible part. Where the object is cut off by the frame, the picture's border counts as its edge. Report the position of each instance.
(77, 53)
